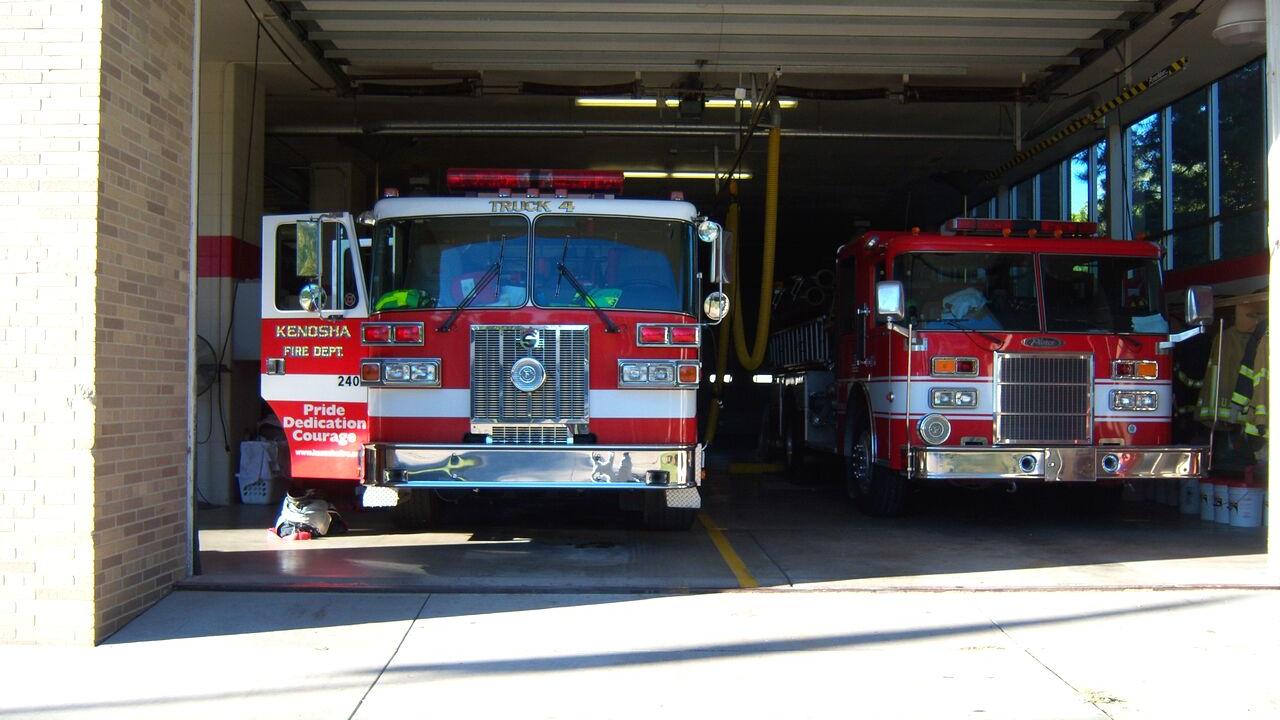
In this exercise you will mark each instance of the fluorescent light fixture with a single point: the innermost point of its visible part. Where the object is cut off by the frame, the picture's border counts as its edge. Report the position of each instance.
(660, 175)
(720, 103)
(632, 102)
(615, 102)
(707, 176)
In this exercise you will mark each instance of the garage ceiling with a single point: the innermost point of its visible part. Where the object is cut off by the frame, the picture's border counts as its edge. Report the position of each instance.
(901, 109)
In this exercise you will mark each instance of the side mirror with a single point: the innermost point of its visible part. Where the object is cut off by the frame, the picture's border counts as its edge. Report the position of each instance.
(890, 301)
(716, 306)
(308, 251)
(1199, 306)
(711, 232)
(312, 298)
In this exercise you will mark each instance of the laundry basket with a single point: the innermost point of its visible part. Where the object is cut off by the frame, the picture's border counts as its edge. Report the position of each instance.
(259, 475)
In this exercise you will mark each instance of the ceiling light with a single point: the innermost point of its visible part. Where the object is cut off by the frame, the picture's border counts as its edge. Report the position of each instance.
(707, 175)
(615, 102)
(684, 175)
(720, 103)
(673, 103)
(1242, 22)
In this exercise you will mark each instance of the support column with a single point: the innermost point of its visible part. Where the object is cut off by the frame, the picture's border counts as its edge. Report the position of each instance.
(1117, 190)
(229, 225)
(94, 284)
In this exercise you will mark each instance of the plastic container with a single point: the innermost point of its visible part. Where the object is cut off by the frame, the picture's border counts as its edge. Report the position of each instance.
(1221, 503)
(1206, 499)
(1189, 497)
(1245, 505)
(258, 477)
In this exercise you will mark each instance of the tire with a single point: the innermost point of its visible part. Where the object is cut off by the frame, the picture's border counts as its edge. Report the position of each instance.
(875, 490)
(418, 509)
(657, 516)
(793, 450)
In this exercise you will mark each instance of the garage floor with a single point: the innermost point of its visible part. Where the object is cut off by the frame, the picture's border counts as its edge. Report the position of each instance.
(755, 530)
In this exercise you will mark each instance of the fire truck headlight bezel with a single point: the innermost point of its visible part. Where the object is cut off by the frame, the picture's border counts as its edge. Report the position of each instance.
(952, 397)
(658, 374)
(934, 429)
(1135, 400)
(415, 372)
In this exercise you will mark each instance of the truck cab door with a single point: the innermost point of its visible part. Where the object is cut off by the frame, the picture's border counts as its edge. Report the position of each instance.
(313, 302)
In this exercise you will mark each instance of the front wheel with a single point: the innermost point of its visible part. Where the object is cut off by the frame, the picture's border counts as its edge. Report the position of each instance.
(417, 509)
(874, 489)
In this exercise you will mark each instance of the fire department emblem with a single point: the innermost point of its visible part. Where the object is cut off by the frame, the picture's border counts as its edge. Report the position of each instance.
(530, 339)
(528, 374)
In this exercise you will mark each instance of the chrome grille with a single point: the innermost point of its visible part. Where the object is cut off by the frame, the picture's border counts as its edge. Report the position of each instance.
(562, 396)
(1043, 398)
(530, 434)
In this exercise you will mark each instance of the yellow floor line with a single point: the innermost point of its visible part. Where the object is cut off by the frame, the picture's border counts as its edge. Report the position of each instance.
(739, 568)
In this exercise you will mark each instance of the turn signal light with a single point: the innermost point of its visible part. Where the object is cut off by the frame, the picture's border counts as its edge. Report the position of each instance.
(955, 366)
(1135, 370)
(391, 333)
(371, 372)
(669, 335)
(688, 374)
(684, 335)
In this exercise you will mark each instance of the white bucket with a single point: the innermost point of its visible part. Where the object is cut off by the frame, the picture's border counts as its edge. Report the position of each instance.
(1190, 496)
(1221, 503)
(1206, 500)
(1245, 505)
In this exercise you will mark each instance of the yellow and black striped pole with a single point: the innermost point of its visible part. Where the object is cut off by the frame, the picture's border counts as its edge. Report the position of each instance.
(1125, 96)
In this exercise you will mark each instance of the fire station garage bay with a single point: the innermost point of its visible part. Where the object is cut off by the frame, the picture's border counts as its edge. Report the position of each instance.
(630, 297)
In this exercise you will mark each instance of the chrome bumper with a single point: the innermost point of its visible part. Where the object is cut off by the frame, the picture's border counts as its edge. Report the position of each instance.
(532, 466)
(1058, 464)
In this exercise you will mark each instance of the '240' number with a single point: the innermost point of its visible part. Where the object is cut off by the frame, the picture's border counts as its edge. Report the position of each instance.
(348, 381)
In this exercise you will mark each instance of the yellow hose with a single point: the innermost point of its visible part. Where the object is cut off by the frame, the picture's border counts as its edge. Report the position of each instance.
(752, 360)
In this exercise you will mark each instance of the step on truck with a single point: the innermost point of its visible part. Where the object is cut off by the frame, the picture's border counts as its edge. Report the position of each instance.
(536, 332)
(993, 352)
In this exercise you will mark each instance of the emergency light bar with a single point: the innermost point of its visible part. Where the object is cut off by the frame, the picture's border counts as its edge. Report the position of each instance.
(1020, 228)
(596, 181)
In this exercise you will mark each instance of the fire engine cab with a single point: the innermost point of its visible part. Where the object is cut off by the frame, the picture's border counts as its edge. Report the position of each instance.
(994, 351)
(536, 333)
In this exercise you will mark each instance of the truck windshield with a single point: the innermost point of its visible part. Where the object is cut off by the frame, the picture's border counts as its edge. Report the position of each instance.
(969, 291)
(1103, 294)
(435, 262)
(623, 263)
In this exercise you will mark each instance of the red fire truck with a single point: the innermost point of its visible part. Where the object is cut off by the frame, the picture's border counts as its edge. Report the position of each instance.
(992, 352)
(536, 333)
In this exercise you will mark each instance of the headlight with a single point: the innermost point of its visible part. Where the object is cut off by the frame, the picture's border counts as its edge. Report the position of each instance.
(1135, 400)
(953, 398)
(401, 372)
(658, 373)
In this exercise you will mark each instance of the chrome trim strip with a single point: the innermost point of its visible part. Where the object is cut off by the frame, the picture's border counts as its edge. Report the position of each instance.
(1058, 464)
(531, 466)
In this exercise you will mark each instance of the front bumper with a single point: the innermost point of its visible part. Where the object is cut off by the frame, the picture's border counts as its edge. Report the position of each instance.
(532, 466)
(1058, 464)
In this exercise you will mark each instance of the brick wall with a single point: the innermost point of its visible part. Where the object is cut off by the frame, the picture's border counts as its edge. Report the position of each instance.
(144, 282)
(94, 167)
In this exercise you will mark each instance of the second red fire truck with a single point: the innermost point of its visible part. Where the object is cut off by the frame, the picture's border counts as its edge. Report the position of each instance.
(538, 333)
(993, 352)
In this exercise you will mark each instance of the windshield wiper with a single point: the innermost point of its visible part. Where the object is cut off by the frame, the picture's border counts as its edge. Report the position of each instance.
(609, 325)
(997, 342)
(494, 271)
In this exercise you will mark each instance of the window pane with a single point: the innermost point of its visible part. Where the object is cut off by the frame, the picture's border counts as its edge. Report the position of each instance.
(1023, 199)
(1241, 149)
(1102, 209)
(1051, 193)
(969, 291)
(982, 209)
(1147, 173)
(1079, 201)
(1103, 294)
(1189, 141)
